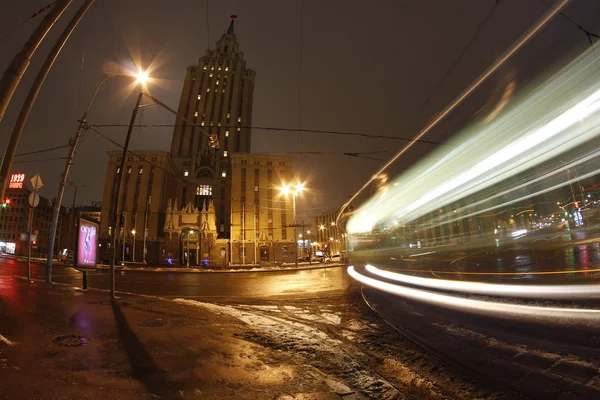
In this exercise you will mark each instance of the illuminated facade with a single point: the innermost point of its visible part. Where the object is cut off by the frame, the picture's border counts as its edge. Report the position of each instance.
(148, 177)
(199, 184)
(213, 121)
(260, 212)
(329, 236)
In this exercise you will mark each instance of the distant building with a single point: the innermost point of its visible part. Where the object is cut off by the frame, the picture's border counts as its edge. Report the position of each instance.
(148, 177)
(188, 202)
(330, 237)
(91, 213)
(213, 121)
(260, 213)
(14, 222)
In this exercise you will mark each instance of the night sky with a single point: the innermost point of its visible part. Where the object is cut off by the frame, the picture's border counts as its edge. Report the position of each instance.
(353, 66)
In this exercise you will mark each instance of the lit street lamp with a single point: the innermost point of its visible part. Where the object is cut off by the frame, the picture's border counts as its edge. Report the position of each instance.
(133, 254)
(141, 77)
(297, 189)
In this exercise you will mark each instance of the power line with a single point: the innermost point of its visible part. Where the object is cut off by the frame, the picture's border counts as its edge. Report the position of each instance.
(40, 151)
(143, 159)
(587, 33)
(454, 64)
(40, 160)
(35, 14)
(270, 128)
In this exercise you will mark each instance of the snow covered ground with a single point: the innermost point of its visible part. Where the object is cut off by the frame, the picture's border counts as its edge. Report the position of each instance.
(354, 356)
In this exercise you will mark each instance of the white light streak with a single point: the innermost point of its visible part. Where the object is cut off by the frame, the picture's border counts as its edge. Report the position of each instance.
(555, 118)
(478, 306)
(493, 289)
(519, 232)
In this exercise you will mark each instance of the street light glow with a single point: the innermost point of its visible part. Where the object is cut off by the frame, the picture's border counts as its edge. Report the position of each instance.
(285, 190)
(142, 77)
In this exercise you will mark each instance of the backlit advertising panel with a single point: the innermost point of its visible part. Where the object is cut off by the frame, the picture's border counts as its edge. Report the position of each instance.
(87, 243)
(16, 181)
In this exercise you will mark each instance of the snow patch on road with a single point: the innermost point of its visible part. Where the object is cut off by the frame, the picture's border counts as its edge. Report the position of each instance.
(332, 318)
(316, 348)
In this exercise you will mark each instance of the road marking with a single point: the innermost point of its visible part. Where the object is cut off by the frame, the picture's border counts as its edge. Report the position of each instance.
(5, 340)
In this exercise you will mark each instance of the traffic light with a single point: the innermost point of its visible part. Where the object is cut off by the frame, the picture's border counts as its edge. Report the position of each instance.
(5, 203)
(213, 141)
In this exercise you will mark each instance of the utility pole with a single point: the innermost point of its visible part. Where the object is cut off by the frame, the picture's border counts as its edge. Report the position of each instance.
(12, 76)
(115, 205)
(71, 222)
(146, 228)
(255, 260)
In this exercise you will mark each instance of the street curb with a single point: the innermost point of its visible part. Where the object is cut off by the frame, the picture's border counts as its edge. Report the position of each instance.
(208, 271)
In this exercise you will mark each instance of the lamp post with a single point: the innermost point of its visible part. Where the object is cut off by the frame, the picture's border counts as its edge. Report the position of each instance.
(71, 240)
(294, 190)
(141, 78)
(133, 254)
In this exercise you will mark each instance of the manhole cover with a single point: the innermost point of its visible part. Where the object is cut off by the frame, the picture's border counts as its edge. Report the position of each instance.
(153, 323)
(71, 340)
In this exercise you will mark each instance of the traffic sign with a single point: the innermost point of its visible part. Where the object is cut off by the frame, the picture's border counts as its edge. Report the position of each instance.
(34, 199)
(36, 182)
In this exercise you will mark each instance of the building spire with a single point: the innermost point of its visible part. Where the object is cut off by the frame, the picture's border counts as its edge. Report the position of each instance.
(233, 17)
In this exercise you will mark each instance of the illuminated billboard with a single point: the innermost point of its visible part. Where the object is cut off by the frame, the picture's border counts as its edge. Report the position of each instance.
(16, 181)
(87, 243)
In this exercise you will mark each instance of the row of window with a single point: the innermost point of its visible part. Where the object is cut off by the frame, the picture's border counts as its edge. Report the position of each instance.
(257, 162)
(212, 68)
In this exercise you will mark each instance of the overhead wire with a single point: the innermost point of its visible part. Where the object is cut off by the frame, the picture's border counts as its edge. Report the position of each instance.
(270, 128)
(35, 14)
(454, 64)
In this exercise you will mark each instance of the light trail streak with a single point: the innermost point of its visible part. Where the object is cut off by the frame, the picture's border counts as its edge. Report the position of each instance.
(560, 115)
(526, 291)
(532, 31)
(478, 306)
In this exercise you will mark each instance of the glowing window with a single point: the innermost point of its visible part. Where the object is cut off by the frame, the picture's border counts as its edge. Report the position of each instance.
(225, 153)
(196, 114)
(228, 115)
(208, 89)
(205, 67)
(204, 190)
(199, 97)
(223, 174)
(226, 68)
(186, 173)
(239, 129)
(239, 119)
(217, 82)
(202, 123)
(210, 76)
(226, 133)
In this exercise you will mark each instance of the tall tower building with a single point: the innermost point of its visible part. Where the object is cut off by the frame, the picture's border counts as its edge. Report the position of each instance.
(213, 121)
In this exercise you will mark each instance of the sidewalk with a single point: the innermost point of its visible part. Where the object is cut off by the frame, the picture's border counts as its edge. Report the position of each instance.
(235, 268)
(58, 343)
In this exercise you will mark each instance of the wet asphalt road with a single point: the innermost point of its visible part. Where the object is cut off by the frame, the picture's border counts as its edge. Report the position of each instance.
(545, 257)
(205, 285)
